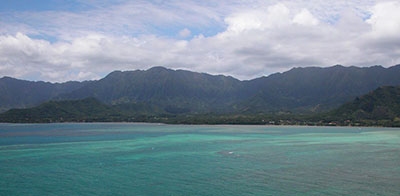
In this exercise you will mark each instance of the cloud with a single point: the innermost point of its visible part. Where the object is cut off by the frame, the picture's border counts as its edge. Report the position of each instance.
(184, 33)
(305, 18)
(385, 21)
(273, 17)
(241, 39)
(383, 40)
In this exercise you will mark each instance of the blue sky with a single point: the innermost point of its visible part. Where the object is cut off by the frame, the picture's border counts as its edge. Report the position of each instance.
(57, 41)
(37, 5)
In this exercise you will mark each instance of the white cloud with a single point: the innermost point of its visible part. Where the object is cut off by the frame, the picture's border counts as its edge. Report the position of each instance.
(184, 33)
(385, 20)
(250, 39)
(274, 16)
(383, 40)
(305, 18)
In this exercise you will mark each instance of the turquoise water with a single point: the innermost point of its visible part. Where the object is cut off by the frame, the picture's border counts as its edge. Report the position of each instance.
(152, 159)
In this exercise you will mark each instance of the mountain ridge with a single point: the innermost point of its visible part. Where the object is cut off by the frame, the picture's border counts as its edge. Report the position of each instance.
(380, 107)
(304, 89)
(329, 86)
(16, 93)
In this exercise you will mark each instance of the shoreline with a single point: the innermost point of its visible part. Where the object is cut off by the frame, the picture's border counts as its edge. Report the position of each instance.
(193, 124)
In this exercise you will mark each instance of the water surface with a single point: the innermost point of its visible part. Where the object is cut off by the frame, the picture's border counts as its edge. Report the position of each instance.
(155, 159)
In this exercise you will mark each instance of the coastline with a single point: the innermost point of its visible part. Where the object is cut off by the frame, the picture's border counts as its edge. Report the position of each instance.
(195, 124)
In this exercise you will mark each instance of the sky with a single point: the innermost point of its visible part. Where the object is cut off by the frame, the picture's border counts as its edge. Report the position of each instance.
(58, 41)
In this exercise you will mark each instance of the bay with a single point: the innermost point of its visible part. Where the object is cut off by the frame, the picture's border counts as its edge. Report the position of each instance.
(158, 159)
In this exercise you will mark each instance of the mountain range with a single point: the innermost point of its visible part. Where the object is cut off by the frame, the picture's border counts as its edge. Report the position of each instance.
(380, 107)
(15, 93)
(164, 91)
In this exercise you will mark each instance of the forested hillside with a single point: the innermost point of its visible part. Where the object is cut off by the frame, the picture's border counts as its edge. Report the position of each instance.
(164, 91)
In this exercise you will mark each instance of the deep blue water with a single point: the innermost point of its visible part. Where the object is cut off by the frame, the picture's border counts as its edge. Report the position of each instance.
(153, 159)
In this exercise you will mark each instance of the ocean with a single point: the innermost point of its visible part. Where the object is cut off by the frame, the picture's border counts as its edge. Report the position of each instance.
(158, 159)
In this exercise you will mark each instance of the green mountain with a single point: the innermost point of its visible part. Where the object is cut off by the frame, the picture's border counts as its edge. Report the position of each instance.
(298, 90)
(175, 92)
(380, 107)
(85, 110)
(317, 89)
(16, 93)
